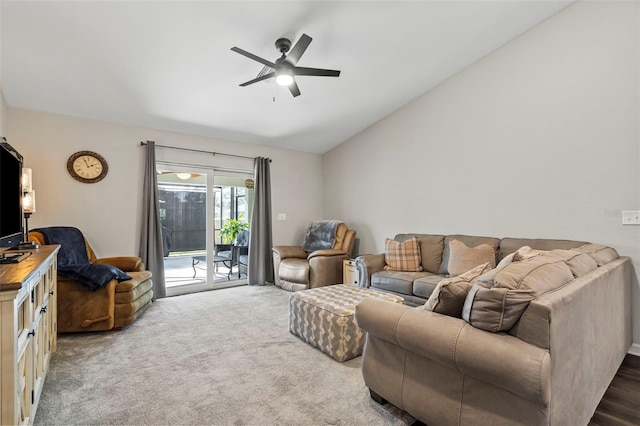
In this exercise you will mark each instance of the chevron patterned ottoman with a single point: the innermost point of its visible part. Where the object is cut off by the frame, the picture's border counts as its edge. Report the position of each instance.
(324, 318)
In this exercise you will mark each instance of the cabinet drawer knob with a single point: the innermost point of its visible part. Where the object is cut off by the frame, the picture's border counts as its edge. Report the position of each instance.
(32, 333)
(51, 293)
(43, 309)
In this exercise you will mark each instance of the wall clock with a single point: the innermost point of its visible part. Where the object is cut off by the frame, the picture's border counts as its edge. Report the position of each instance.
(87, 166)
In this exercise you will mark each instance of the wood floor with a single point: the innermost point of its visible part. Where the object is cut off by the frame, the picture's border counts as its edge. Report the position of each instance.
(621, 403)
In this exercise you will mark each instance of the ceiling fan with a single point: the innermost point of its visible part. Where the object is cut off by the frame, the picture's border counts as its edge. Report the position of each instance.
(284, 68)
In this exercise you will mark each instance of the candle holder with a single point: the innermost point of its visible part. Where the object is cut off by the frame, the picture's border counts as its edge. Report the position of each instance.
(28, 208)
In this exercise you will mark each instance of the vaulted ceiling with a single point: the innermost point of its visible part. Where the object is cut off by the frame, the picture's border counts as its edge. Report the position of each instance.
(168, 64)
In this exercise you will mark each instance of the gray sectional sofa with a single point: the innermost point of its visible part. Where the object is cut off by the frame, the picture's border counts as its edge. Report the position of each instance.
(550, 366)
(416, 287)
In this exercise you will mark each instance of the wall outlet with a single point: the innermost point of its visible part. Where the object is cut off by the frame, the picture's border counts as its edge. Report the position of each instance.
(282, 216)
(631, 217)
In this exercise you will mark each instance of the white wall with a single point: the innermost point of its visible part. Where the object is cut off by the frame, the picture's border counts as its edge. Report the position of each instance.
(3, 103)
(3, 114)
(108, 212)
(538, 139)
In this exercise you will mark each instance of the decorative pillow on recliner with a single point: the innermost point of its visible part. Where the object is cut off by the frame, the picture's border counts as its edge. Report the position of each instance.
(402, 256)
(462, 258)
(449, 295)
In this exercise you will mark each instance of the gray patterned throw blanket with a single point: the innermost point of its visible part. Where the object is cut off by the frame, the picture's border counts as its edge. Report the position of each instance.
(321, 235)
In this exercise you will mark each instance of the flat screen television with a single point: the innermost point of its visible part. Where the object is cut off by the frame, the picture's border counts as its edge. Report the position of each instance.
(10, 195)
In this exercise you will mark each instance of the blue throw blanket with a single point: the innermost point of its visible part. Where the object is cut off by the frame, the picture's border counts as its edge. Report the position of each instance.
(73, 261)
(321, 235)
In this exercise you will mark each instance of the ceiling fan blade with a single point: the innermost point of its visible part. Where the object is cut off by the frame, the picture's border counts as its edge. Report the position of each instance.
(295, 90)
(296, 52)
(264, 71)
(315, 71)
(254, 57)
(255, 80)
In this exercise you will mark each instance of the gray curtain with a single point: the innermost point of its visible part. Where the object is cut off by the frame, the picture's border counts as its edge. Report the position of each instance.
(260, 270)
(151, 232)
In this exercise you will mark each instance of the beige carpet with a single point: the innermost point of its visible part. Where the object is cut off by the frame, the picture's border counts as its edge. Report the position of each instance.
(214, 358)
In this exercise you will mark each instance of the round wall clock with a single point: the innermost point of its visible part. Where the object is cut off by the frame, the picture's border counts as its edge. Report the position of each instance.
(87, 166)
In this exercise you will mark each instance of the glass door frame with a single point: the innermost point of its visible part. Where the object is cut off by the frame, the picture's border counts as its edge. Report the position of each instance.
(211, 173)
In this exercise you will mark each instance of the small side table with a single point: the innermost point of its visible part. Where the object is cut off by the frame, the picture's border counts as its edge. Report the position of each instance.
(350, 273)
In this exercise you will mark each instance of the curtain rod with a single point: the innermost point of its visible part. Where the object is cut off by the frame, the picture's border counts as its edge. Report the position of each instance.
(202, 151)
(204, 166)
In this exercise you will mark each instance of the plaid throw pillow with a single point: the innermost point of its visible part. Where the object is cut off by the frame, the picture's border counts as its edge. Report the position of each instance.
(402, 256)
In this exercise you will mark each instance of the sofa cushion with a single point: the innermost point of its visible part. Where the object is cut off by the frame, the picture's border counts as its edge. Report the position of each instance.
(463, 258)
(580, 263)
(509, 245)
(540, 274)
(402, 256)
(449, 295)
(600, 253)
(431, 249)
(396, 281)
(498, 307)
(495, 308)
(523, 253)
(469, 241)
(423, 287)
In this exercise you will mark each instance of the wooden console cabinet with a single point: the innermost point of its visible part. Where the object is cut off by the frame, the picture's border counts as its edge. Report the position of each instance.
(27, 332)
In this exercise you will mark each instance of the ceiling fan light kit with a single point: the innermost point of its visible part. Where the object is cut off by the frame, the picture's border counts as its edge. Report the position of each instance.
(284, 77)
(284, 69)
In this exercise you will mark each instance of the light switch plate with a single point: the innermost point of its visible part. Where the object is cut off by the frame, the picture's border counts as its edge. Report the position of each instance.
(282, 216)
(631, 217)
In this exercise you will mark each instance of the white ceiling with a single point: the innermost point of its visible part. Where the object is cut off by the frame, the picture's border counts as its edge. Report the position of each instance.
(168, 64)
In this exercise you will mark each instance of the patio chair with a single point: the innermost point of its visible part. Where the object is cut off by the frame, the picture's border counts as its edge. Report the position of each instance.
(234, 252)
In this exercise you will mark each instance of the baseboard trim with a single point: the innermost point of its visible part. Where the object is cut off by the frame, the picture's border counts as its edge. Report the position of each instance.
(634, 349)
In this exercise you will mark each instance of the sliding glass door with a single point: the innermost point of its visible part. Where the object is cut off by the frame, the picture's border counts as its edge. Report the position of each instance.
(201, 212)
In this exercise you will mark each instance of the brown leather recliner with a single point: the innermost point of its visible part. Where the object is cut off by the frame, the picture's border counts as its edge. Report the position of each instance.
(296, 269)
(113, 306)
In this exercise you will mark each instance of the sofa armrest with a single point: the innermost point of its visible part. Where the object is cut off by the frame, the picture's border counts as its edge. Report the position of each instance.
(496, 358)
(284, 252)
(380, 319)
(368, 264)
(125, 263)
(327, 252)
(326, 270)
